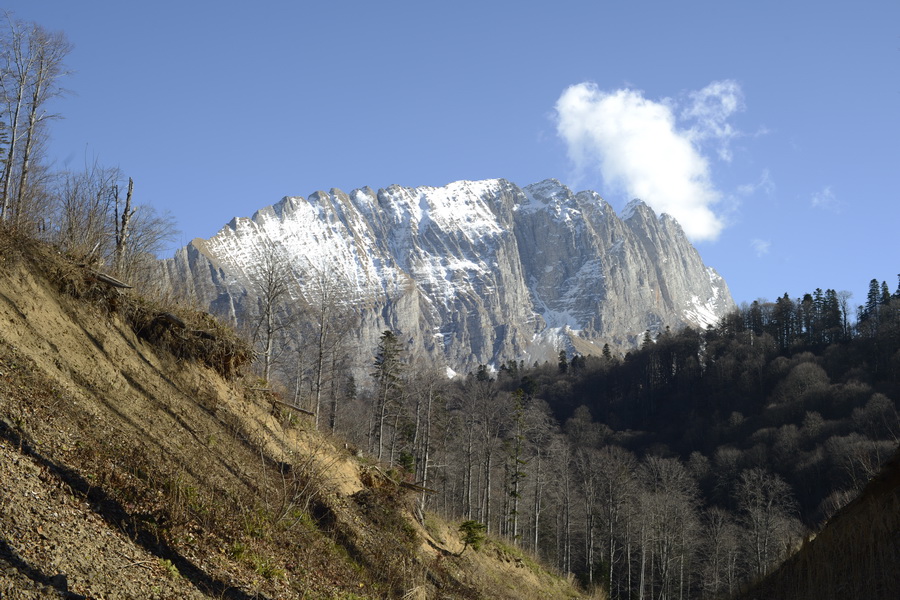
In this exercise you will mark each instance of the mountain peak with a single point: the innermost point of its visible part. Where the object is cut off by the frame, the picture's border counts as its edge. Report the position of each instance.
(635, 206)
(474, 272)
(547, 190)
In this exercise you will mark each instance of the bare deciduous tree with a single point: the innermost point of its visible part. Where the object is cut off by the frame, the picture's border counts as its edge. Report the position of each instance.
(122, 222)
(721, 546)
(84, 207)
(615, 469)
(90, 225)
(272, 286)
(330, 325)
(767, 507)
(31, 64)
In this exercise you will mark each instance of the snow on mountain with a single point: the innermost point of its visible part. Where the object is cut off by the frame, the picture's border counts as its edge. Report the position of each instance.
(475, 272)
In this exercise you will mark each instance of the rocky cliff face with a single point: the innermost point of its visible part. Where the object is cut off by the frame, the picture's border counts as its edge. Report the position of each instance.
(470, 273)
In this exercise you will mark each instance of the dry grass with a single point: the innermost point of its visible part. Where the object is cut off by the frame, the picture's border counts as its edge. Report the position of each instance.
(129, 411)
(168, 323)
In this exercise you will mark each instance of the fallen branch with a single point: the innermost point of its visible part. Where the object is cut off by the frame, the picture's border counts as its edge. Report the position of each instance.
(109, 280)
(291, 406)
(418, 488)
(171, 320)
(410, 486)
(134, 562)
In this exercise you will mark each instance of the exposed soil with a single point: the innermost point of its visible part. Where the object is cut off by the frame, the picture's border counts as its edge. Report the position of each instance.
(131, 468)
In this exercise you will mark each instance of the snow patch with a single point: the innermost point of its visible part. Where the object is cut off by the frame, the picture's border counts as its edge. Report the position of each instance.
(553, 197)
(631, 208)
(700, 313)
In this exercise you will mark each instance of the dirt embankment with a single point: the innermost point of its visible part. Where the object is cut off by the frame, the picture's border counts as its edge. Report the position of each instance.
(131, 468)
(854, 556)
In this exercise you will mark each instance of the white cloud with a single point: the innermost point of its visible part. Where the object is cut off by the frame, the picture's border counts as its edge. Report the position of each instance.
(766, 185)
(710, 109)
(640, 149)
(761, 247)
(826, 200)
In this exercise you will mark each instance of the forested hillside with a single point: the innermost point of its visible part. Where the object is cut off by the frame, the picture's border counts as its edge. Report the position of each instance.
(690, 466)
(767, 423)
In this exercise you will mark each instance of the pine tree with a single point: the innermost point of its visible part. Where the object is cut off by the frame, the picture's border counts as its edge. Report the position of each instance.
(885, 294)
(607, 354)
(832, 318)
(387, 374)
(870, 310)
(784, 320)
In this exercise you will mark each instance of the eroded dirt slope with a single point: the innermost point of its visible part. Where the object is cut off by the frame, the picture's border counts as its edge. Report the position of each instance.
(856, 555)
(131, 468)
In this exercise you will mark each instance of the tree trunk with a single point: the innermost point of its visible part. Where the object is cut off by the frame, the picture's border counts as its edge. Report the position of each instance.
(487, 491)
(643, 563)
(537, 504)
(426, 447)
(320, 362)
(382, 417)
(298, 377)
(332, 413)
(590, 546)
(30, 132)
(394, 431)
(567, 534)
(123, 223)
(270, 346)
(9, 165)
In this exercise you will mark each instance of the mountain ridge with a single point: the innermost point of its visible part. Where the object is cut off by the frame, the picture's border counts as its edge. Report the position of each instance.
(474, 272)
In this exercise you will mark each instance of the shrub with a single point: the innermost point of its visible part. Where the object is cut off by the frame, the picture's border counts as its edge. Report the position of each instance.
(471, 534)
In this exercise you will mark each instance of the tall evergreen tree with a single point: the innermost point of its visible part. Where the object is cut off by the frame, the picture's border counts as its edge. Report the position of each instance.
(885, 294)
(783, 319)
(387, 373)
(870, 310)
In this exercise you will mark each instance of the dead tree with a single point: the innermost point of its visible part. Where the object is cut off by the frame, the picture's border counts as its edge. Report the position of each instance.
(123, 223)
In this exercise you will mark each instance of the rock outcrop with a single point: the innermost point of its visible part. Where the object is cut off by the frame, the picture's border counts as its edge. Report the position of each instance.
(471, 273)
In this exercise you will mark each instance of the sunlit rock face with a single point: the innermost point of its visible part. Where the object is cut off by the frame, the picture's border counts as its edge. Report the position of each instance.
(476, 272)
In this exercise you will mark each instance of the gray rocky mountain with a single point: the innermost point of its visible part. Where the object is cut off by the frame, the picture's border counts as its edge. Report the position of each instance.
(476, 272)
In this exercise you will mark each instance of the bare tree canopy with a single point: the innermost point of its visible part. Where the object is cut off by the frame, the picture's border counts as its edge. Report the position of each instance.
(95, 224)
(31, 66)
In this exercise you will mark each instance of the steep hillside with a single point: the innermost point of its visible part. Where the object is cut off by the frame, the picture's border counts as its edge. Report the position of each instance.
(476, 272)
(136, 462)
(854, 556)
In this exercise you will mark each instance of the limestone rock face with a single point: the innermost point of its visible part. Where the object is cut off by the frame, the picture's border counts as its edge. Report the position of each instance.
(476, 272)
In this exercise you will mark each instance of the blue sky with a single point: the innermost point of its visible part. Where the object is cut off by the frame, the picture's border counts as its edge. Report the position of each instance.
(769, 129)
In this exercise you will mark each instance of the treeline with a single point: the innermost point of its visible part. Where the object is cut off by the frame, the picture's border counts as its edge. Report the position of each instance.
(91, 213)
(687, 467)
